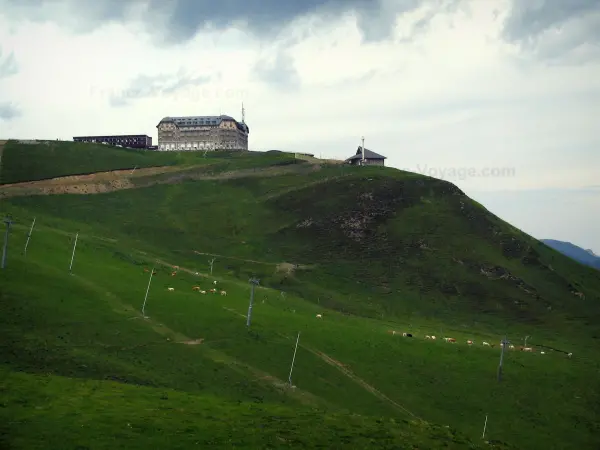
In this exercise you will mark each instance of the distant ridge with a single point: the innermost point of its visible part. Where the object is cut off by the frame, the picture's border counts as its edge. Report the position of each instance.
(587, 257)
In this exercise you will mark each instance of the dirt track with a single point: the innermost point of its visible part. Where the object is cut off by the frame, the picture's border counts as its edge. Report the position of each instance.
(101, 182)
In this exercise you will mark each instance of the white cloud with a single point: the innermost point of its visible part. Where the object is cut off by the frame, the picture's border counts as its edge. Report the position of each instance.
(445, 94)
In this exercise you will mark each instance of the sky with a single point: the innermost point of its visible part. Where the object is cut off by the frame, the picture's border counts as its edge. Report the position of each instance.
(500, 97)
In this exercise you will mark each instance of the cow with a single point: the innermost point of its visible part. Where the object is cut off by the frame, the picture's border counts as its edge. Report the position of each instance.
(470, 342)
(146, 270)
(171, 289)
(427, 337)
(433, 337)
(486, 344)
(451, 340)
(569, 355)
(223, 292)
(319, 316)
(173, 274)
(196, 288)
(215, 282)
(214, 291)
(511, 346)
(527, 349)
(407, 335)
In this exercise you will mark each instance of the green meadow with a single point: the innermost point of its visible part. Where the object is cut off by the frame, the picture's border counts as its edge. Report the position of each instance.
(370, 249)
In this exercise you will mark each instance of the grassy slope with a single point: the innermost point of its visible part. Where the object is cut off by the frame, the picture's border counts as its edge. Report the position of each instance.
(30, 162)
(257, 219)
(419, 249)
(58, 330)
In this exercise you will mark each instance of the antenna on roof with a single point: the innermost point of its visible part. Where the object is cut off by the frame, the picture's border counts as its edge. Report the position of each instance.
(243, 113)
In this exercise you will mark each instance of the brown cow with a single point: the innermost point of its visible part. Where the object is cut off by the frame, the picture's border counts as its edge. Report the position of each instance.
(196, 288)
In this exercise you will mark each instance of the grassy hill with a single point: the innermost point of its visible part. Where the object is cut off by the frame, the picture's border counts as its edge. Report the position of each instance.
(49, 159)
(371, 249)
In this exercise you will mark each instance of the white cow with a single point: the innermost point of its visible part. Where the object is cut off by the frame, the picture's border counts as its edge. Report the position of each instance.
(569, 355)
(319, 316)
(215, 282)
(486, 343)
(171, 289)
(223, 292)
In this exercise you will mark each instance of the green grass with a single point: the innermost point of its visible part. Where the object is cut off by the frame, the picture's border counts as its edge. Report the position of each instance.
(49, 159)
(416, 267)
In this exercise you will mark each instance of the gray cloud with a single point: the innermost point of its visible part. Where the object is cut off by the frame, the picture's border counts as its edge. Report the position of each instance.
(555, 30)
(8, 111)
(8, 65)
(181, 20)
(144, 86)
(279, 73)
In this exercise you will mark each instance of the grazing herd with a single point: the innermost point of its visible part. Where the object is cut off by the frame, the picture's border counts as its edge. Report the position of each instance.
(393, 332)
(471, 342)
(194, 288)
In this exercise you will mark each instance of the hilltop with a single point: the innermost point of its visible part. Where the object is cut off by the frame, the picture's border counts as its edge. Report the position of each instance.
(372, 249)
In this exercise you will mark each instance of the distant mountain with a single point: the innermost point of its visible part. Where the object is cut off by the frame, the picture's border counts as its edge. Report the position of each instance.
(587, 257)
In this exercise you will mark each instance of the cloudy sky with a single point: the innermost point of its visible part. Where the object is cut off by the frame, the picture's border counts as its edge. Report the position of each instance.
(501, 97)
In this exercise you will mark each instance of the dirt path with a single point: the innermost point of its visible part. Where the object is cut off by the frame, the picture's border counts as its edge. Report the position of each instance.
(101, 182)
(348, 373)
(237, 259)
(302, 186)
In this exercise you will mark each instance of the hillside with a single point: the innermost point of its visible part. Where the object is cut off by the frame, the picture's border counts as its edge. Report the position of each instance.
(50, 159)
(371, 249)
(586, 257)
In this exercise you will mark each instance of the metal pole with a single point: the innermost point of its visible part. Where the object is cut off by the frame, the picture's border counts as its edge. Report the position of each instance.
(525, 344)
(28, 237)
(146, 296)
(249, 317)
(484, 427)
(294, 358)
(8, 222)
(73, 254)
(211, 262)
(504, 342)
